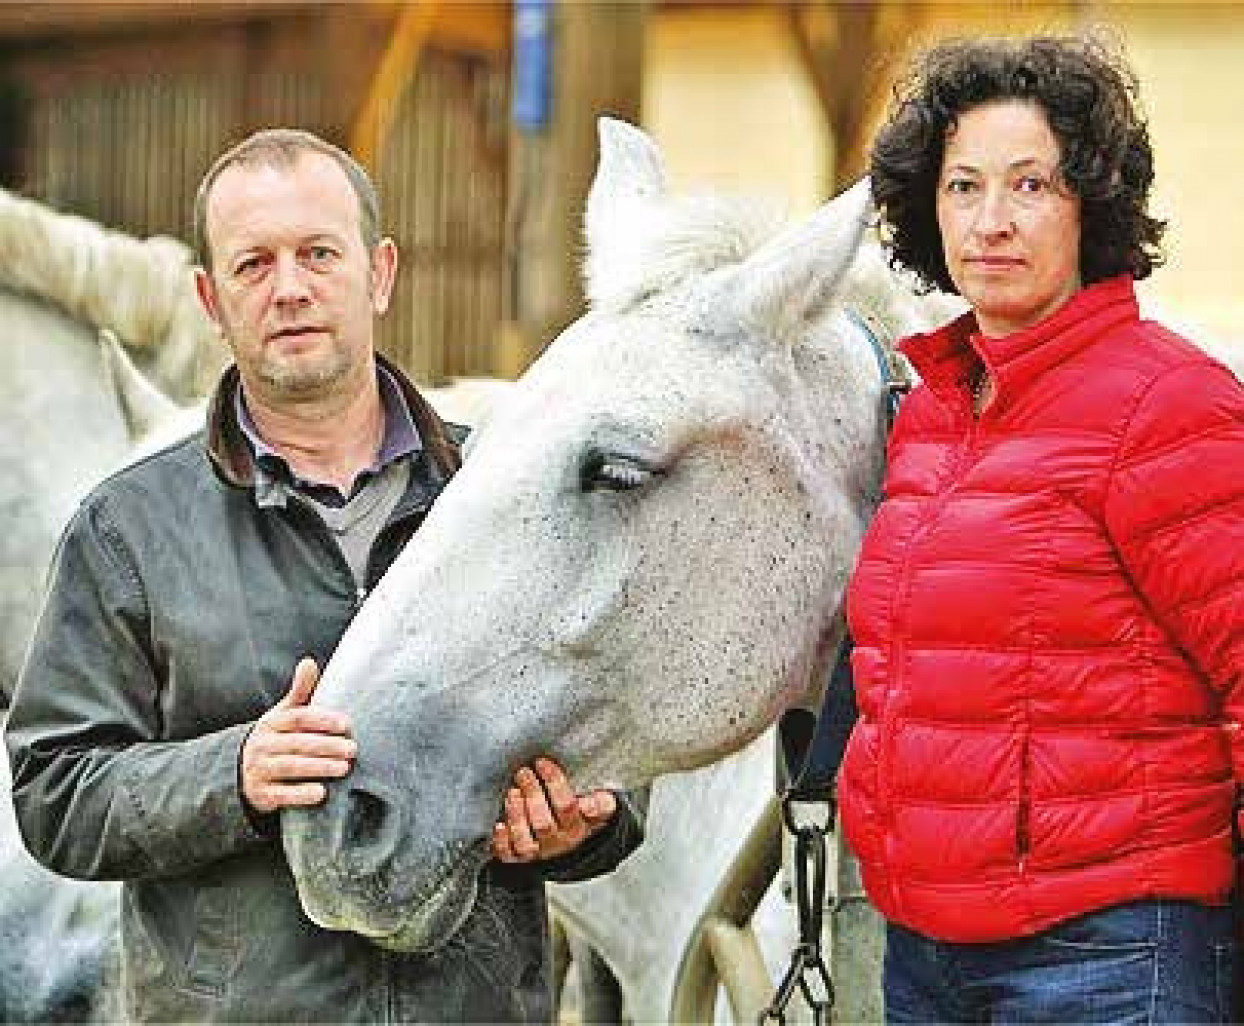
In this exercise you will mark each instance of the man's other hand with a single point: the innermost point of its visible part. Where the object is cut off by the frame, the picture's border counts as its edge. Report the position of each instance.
(544, 817)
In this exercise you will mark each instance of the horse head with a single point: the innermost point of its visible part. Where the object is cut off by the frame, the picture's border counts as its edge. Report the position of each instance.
(640, 563)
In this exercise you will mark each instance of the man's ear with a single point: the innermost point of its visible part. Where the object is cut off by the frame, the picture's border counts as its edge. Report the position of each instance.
(206, 289)
(383, 274)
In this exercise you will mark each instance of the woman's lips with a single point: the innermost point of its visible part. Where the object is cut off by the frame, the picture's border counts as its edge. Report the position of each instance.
(994, 262)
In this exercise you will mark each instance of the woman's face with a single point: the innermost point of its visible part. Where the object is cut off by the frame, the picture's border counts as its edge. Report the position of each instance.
(1010, 229)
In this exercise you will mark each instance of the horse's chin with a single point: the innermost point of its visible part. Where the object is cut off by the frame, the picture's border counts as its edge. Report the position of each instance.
(434, 923)
(425, 929)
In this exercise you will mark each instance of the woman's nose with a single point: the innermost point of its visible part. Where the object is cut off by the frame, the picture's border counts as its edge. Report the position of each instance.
(994, 217)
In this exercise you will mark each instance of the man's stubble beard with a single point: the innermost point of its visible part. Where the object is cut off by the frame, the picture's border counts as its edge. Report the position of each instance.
(292, 380)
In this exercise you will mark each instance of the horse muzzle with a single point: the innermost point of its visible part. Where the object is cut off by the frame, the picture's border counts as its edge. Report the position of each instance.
(358, 867)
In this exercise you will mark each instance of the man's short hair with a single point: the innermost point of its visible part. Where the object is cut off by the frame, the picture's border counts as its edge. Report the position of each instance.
(281, 148)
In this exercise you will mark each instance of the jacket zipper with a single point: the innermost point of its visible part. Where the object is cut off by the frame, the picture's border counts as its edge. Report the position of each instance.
(361, 591)
(390, 998)
(1023, 836)
(898, 647)
(371, 578)
(305, 509)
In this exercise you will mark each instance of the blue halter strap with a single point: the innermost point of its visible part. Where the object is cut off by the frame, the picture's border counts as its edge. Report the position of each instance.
(896, 382)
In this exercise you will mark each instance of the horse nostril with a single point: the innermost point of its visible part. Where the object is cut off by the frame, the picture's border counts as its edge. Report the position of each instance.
(370, 827)
(364, 819)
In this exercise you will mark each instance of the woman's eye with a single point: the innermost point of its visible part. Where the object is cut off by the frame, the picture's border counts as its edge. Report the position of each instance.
(960, 186)
(1031, 184)
(320, 254)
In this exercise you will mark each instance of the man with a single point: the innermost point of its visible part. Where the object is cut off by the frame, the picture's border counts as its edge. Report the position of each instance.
(162, 719)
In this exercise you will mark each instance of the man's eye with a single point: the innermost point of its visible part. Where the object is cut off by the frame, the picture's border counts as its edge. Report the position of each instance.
(248, 269)
(320, 254)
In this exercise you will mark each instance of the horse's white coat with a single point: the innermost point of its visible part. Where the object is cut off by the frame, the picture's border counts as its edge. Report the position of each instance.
(63, 429)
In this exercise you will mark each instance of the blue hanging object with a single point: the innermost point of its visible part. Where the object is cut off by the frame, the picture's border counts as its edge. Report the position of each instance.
(533, 64)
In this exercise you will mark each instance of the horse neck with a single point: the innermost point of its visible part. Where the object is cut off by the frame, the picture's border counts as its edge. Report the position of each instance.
(854, 359)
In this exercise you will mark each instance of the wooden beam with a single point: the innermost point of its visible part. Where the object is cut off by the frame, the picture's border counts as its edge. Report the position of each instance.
(69, 18)
(836, 45)
(395, 72)
(597, 68)
(478, 28)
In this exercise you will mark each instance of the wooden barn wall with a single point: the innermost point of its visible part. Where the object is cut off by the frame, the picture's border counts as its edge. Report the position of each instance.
(130, 154)
(441, 174)
(116, 139)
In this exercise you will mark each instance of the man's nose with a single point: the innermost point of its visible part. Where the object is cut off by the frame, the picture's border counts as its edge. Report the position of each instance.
(289, 281)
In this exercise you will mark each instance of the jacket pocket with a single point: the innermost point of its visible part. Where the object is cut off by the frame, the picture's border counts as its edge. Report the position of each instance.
(215, 947)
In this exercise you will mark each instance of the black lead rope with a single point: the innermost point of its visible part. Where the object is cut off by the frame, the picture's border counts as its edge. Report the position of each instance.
(807, 970)
(812, 749)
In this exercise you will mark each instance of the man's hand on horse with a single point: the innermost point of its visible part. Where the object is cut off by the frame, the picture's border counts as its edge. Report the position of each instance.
(544, 817)
(293, 747)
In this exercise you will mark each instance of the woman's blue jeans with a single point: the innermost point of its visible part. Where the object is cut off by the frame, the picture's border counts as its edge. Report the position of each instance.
(1145, 962)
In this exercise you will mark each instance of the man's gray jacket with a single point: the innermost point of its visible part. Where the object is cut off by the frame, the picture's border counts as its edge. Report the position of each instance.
(178, 607)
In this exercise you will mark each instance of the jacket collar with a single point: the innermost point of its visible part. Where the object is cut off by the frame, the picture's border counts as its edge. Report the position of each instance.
(233, 460)
(949, 358)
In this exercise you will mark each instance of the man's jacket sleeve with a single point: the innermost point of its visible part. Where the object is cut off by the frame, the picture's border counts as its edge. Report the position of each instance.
(98, 790)
(1175, 510)
(601, 853)
(606, 849)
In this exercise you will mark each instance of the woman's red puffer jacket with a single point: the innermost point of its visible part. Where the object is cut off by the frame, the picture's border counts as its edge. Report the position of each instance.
(1049, 622)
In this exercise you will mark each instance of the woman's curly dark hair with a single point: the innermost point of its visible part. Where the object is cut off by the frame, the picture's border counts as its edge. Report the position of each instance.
(1089, 97)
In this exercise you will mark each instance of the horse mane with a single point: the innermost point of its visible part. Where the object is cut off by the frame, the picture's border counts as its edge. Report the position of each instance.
(668, 241)
(653, 247)
(141, 289)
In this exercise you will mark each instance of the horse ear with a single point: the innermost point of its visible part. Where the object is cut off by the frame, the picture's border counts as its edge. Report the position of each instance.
(630, 167)
(790, 280)
(143, 406)
(630, 177)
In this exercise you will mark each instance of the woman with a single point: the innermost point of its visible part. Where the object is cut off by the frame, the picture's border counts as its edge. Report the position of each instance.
(1047, 608)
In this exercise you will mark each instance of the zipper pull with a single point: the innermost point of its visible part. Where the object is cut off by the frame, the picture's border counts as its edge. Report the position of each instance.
(360, 594)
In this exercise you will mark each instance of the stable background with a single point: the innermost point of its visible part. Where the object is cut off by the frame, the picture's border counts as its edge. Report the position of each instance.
(477, 120)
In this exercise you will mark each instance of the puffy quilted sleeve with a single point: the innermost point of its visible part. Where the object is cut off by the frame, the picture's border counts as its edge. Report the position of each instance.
(1174, 507)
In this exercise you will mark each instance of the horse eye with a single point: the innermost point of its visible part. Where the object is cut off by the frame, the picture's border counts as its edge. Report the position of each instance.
(609, 472)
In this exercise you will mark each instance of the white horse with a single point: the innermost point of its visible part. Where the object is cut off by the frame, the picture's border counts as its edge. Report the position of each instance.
(141, 289)
(71, 407)
(640, 563)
